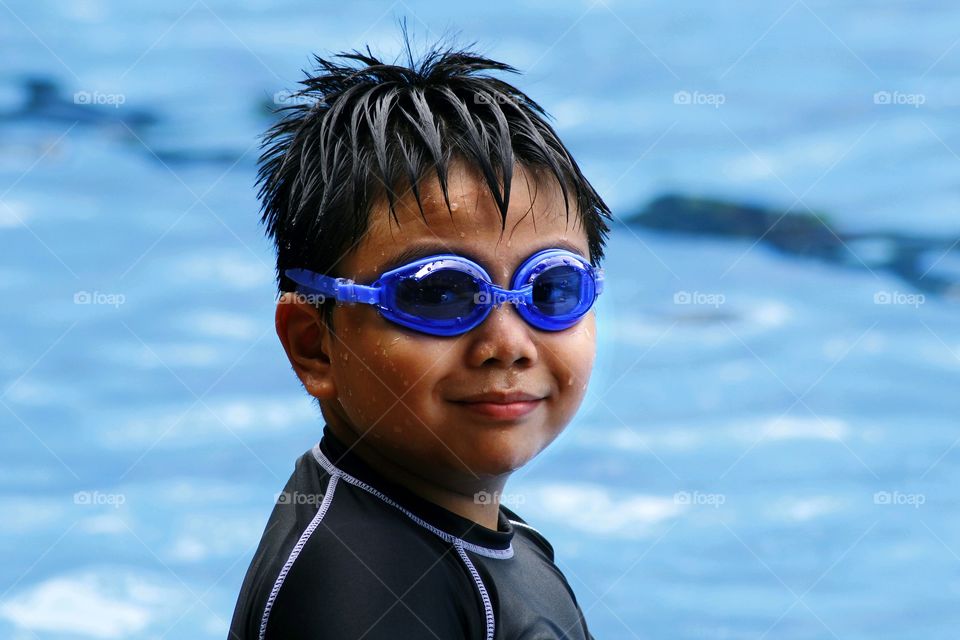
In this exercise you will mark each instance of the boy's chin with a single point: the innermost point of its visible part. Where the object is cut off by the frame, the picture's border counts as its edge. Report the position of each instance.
(502, 456)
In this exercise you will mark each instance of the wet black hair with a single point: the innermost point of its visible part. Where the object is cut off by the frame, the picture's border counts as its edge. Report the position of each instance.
(364, 129)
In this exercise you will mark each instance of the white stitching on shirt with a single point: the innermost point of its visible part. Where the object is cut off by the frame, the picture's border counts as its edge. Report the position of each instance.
(314, 523)
(487, 607)
(500, 554)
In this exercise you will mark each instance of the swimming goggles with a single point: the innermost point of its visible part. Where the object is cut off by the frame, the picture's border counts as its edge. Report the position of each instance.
(448, 295)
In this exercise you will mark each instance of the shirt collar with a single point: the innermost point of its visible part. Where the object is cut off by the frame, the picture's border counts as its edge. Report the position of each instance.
(454, 524)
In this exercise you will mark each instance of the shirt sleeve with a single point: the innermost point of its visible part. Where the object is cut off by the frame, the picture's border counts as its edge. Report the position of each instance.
(348, 596)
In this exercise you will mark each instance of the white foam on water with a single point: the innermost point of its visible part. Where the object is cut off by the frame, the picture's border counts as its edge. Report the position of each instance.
(13, 214)
(163, 355)
(225, 268)
(597, 510)
(33, 514)
(213, 420)
(91, 604)
(793, 428)
(37, 392)
(645, 440)
(665, 437)
(220, 324)
(189, 549)
(106, 524)
(808, 508)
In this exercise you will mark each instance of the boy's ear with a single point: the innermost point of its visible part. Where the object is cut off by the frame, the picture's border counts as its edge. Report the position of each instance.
(306, 339)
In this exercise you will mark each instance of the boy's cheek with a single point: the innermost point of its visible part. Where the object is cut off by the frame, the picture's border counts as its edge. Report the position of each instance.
(387, 366)
(575, 351)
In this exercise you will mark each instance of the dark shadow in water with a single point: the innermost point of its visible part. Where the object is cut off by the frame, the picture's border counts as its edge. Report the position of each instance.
(807, 235)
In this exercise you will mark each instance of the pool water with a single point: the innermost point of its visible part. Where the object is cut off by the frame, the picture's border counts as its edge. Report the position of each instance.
(768, 445)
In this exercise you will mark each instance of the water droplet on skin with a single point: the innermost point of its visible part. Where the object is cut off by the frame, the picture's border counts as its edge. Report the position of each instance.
(454, 206)
(462, 234)
(346, 357)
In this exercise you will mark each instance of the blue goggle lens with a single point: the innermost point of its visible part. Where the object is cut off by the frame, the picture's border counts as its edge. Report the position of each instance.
(445, 294)
(557, 290)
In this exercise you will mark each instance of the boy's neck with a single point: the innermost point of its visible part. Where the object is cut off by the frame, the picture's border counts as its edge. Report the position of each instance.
(460, 499)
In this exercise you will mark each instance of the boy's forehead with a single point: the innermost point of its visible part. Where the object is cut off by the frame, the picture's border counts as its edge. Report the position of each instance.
(473, 226)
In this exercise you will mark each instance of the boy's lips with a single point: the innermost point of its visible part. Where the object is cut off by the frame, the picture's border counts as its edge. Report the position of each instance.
(501, 397)
(502, 405)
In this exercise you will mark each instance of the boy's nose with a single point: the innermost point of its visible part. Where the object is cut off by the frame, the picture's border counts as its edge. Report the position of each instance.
(504, 338)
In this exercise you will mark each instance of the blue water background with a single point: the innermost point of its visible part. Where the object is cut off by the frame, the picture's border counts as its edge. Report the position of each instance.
(776, 459)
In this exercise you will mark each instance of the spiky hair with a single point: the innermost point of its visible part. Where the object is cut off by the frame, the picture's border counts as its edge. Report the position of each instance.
(359, 131)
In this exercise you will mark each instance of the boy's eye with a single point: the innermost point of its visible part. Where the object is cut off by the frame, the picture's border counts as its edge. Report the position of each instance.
(556, 291)
(444, 294)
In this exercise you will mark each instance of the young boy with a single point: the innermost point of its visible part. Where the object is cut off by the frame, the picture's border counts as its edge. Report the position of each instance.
(437, 263)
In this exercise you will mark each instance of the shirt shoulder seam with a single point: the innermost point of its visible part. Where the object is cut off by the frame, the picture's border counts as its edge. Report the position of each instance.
(295, 553)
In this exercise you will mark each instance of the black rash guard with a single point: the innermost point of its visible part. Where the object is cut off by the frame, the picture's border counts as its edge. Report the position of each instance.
(347, 554)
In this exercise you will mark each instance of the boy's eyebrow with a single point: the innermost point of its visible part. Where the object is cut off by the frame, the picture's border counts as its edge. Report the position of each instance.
(432, 247)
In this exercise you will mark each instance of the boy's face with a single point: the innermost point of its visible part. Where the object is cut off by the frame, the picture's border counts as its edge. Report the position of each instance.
(403, 392)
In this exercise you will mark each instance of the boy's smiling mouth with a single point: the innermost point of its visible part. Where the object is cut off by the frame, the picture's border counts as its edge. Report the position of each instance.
(502, 405)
